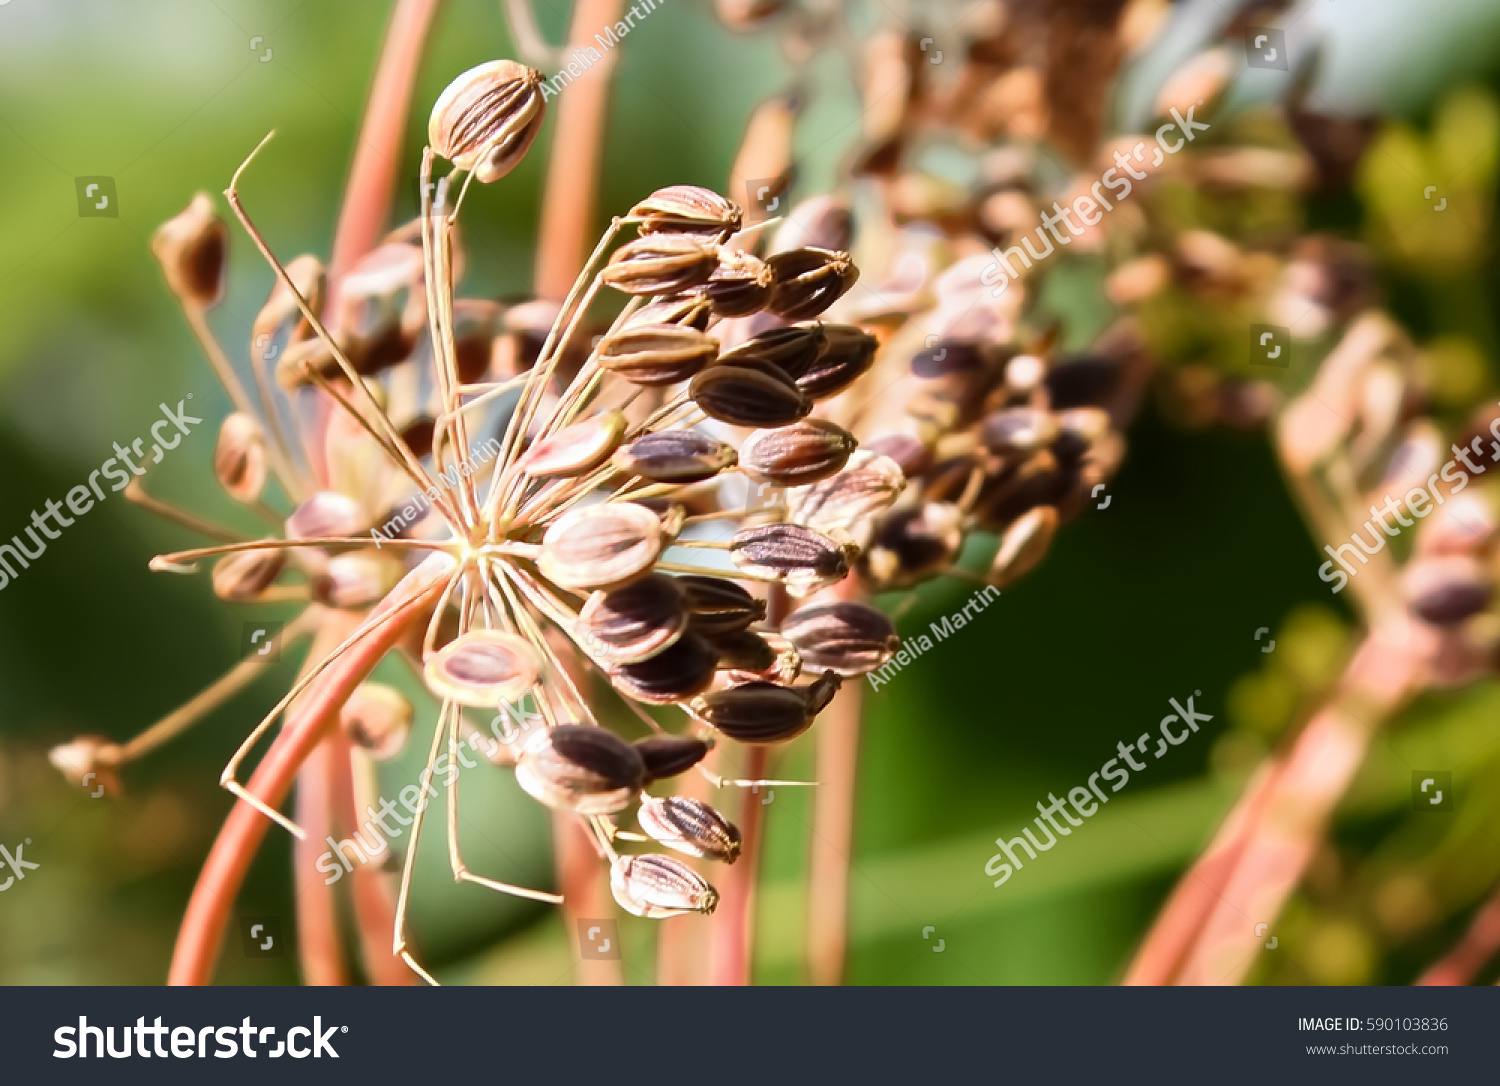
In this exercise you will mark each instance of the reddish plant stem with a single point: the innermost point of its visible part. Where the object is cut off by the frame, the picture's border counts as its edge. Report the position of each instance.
(734, 922)
(318, 945)
(583, 881)
(213, 897)
(567, 232)
(1479, 944)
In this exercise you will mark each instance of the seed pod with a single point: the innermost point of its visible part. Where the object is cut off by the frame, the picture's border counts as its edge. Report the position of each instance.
(1078, 430)
(668, 755)
(689, 826)
(661, 264)
(1018, 430)
(89, 754)
(191, 248)
(636, 622)
(1037, 481)
(800, 558)
(684, 310)
(240, 457)
(756, 712)
(847, 354)
(719, 606)
(808, 281)
(659, 886)
(1446, 591)
(684, 668)
(1023, 545)
(326, 515)
(821, 221)
(675, 456)
(687, 209)
(739, 286)
(749, 395)
(377, 718)
(657, 354)
(580, 768)
(744, 650)
(357, 580)
(797, 455)
(845, 638)
(792, 349)
(280, 322)
(948, 358)
(379, 310)
(601, 546)
(243, 576)
(486, 118)
(852, 500)
(482, 668)
(575, 450)
(782, 666)
(914, 544)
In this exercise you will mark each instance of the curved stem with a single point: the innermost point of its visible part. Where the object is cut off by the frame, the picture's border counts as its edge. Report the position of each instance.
(1479, 945)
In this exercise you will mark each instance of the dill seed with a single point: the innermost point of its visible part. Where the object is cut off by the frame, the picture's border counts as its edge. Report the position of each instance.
(657, 354)
(483, 668)
(846, 638)
(636, 622)
(689, 826)
(660, 886)
(485, 120)
(580, 768)
(668, 755)
(749, 395)
(675, 456)
(797, 455)
(601, 546)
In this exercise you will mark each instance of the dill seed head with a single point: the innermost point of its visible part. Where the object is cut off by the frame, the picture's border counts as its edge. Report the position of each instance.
(689, 826)
(486, 118)
(660, 886)
(580, 768)
(192, 248)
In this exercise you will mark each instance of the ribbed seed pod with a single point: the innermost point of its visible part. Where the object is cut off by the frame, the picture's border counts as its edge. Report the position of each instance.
(668, 755)
(242, 577)
(797, 455)
(687, 209)
(575, 450)
(357, 580)
(379, 310)
(675, 456)
(485, 120)
(661, 264)
(799, 558)
(636, 622)
(482, 668)
(580, 768)
(913, 544)
(739, 286)
(326, 515)
(821, 692)
(1023, 545)
(750, 394)
(851, 500)
(783, 667)
(744, 650)
(657, 354)
(792, 349)
(847, 354)
(659, 886)
(756, 712)
(377, 718)
(601, 546)
(240, 457)
(192, 247)
(808, 281)
(1018, 430)
(689, 826)
(719, 606)
(846, 638)
(684, 668)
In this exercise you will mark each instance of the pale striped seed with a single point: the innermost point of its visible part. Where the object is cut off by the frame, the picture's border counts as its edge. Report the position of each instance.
(687, 209)
(792, 349)
(482, 668)
(675, 456)
(739, 286)
(485, 119)
(580, 768)
(636, 622)
(800, 558)
(685, 310)
(661, 264)
(846, 638)
(660, 886)
(601, 546)
(851, 500)
(797, 455)
(657, 354)
(575, 450)
(689, 826)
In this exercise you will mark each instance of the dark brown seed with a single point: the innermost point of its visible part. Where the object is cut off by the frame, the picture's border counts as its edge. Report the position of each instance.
(744, 650)
(243, 576)
(683, 669)
(821, 692)
(798, 557)
(792, 349)
(575, 450)
(1017, 430)
(749, 395)
(797, 455)
(720, 606)
(914, 544)
(1445, 591)
(476, 322)
(636, 622)
(741, 285)
(660, 886)
(675, 456)
(191, 248)
(668, 755)
(947, 358)
(657, 354)
(601, 546)
(581, 768)
(756, 712)
(847, 354)
(661, 264)
(1037, 481)
(687, 209)
(418, 435)
(808, 281)
(845, 638)
(486, 118)
(690, 826)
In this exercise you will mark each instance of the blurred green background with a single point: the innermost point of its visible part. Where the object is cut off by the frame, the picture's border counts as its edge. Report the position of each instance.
(1155, 597)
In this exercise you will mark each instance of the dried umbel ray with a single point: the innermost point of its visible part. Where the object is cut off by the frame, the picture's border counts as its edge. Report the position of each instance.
(577, 525)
